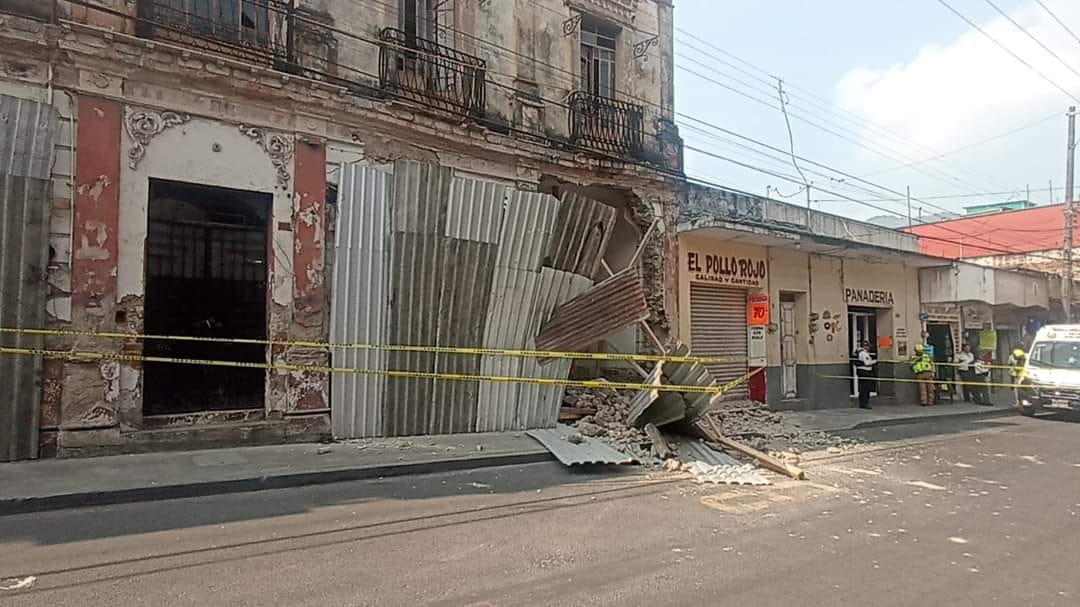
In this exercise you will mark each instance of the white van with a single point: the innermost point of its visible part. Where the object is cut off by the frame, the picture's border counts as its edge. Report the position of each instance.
(1051, 375)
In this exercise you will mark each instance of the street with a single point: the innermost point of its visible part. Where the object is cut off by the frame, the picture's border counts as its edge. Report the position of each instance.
(959, 513)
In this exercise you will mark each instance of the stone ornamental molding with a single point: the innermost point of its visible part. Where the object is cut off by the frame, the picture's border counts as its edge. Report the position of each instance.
(622, 10)
(278, 147)
(143, 125)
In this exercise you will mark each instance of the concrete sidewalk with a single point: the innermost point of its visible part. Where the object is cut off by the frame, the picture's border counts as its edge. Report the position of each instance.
(69, 483)
(851, 418)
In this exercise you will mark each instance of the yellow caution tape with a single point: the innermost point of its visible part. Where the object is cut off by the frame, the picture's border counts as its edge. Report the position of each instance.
(384, 348)
(935, 381)
(944, 364)
(570, 383)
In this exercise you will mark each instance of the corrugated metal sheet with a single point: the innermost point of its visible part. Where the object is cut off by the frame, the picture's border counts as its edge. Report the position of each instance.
(694, 450)
(602, 311)
(513, 294)
(24, 229)
(421, 194)
(581, 450)
(476, 209)
(581, 235)
(727, 474)
(641, 401)
(463, 308)
(29, 131)
(538, 406)
(417, 268)
(527, 228)
(360, 299)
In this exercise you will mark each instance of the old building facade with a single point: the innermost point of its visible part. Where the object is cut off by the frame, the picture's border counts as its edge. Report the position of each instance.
(200, 155)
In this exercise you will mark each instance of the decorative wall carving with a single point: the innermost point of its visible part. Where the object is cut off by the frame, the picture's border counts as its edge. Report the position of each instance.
(143, 125)
(619, 10)
(278, 147)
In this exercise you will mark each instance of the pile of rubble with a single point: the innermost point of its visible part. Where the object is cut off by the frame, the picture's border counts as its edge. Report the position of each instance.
(602, 414)
(753, 424)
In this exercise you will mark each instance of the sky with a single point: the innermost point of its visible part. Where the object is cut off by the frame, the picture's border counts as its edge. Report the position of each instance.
(873, 86)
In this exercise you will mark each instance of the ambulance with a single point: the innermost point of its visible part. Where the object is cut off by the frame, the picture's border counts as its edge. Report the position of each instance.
(1050, 380)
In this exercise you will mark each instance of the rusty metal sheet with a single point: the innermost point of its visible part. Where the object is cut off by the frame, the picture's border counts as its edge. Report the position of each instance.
(602, 311)
(476, 209)
(360, 299)
(421, 195)
(466, 289)
(538, 406)
(690, 449)
(573, 449)
(24, 232)
(416, 262)
(28, 133)
(581, 235)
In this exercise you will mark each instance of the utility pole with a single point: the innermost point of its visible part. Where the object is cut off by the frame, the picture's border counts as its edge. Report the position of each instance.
(909, 206)
(1067, 283)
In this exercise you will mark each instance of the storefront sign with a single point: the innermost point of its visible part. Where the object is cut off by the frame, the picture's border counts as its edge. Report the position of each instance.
(868, 297)
(757, 310)
(988, 340)
(884, 342)
(756, 347)
(727, 270)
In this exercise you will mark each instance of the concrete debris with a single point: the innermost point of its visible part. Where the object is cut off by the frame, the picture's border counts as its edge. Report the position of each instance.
(743, 474)
(607, 422)
(753, 424)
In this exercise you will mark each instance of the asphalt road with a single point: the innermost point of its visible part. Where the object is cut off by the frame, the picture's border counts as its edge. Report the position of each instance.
(958, 514)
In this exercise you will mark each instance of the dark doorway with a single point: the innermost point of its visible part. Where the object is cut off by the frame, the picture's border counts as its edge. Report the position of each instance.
(206, 276)
(939, 335)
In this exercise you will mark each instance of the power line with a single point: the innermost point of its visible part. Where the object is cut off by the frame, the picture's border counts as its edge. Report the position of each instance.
(1007, 50)
(1059, 21)
(822, 103)
(1033, 38)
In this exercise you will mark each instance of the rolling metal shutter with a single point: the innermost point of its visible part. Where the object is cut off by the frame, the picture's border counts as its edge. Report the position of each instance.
(718, 328)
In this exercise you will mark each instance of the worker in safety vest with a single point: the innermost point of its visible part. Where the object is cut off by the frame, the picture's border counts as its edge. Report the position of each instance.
(923, 368)
(1017, 360)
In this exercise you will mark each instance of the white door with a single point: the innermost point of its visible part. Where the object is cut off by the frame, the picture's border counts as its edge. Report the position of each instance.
(787, 349)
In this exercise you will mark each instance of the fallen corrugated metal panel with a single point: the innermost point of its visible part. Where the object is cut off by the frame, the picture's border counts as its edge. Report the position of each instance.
(573, 449)
(695, 450)
(475, 211)
(416, 273)
(602, 311)
(510, 306)
(28, 132)
(463, 306)
(581, 235)
(538, 406)
(24, 230)
(739, 474)
(421, 194)
(527, 228)
(360, 299)
(645, 397)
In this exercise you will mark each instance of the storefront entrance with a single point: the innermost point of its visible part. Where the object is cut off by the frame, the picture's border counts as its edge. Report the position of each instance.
(862, 326)
(718, 329)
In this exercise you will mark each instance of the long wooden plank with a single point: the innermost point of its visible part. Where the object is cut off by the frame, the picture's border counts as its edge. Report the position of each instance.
(711, 431)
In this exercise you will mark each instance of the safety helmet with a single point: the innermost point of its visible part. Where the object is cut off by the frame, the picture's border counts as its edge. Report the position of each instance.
(919, 348)
(1017, 353)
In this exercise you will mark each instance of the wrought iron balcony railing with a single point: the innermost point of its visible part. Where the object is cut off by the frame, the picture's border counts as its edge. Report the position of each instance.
(431, 74)
(605, 124)
(254, 30)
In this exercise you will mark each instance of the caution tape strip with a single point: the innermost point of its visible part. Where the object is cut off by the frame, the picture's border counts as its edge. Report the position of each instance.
(945, 364)
(934, 381)
(569, 383)
(383, 348)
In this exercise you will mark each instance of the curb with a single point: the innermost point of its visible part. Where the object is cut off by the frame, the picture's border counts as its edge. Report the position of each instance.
(901, 421)
(26, 505)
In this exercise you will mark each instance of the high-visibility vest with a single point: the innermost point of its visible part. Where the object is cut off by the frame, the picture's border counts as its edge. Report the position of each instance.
(922, 364)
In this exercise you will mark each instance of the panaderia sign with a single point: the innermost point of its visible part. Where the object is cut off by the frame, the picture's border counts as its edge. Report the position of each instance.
(869, 297)
(732, 270)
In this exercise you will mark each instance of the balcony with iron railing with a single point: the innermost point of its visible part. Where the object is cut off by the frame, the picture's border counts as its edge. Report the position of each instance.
(431, 74)
(252, 30)
(606, 124)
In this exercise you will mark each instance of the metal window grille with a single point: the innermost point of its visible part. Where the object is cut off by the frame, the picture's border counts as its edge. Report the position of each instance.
(250, 29)
(606, 124)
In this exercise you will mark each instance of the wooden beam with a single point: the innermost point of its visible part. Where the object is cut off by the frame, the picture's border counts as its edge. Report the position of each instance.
(708, 427)
(660, 445)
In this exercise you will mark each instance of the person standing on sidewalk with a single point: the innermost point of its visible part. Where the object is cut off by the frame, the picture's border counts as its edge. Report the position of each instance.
(864, 370)
(964, 360)
(979, 373)
(923, 368)
(1017, 360)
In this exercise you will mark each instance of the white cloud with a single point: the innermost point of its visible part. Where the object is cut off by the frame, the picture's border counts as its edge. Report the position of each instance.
(967, 89)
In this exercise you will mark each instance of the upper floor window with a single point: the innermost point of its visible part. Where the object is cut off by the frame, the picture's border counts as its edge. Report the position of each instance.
(598, 59)
(419, 18)
(244, 22)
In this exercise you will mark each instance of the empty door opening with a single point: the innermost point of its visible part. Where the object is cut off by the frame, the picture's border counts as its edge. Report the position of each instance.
(206, 276)
(862, 327)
